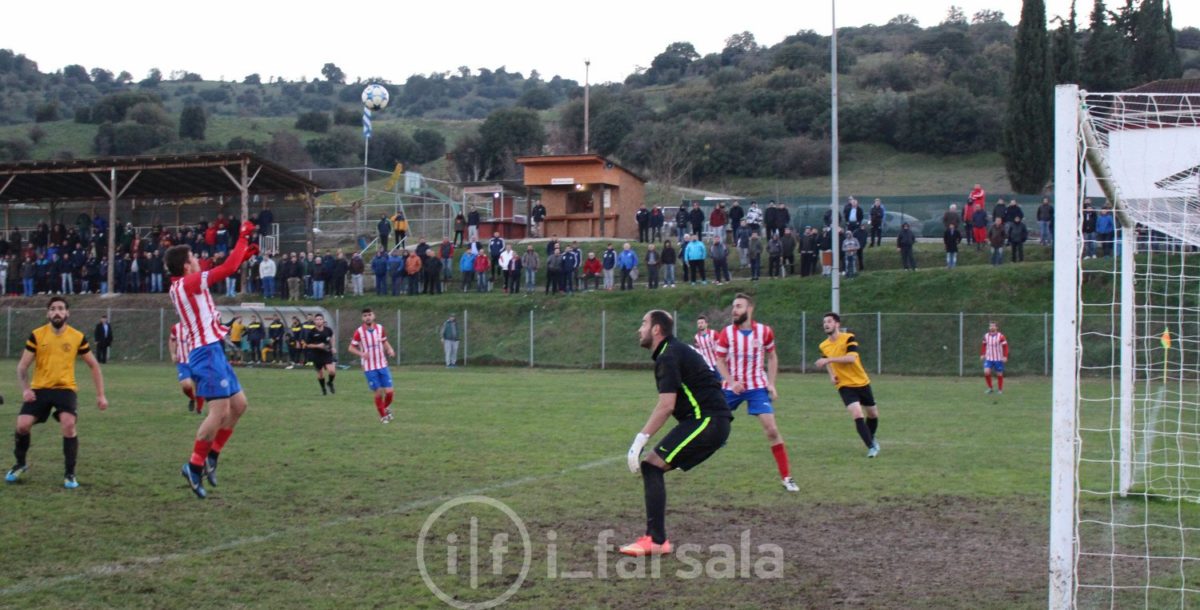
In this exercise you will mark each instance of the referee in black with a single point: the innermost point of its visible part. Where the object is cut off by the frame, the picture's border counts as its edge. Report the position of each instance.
(688, 389)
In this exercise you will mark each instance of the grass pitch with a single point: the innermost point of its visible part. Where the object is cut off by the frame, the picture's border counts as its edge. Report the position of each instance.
(319, 505)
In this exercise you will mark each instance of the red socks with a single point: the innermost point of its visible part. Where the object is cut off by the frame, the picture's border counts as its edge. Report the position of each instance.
(1000, 381)
(379, 406)
(189, 393)
(387, 399)
(222, 437)
(200, 451)
(988, 379)
(199, 404)
(781, 460)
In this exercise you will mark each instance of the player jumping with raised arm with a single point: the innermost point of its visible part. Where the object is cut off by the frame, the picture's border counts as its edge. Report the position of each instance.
(215, 380)
(994, 353)
(842, 360)
(179, 354)
(370, 343)
(742, 350)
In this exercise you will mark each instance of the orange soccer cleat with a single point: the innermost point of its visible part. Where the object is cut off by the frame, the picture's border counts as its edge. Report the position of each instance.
(645, 546)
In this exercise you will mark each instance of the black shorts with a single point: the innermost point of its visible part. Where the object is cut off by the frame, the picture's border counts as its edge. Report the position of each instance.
(320, 358)
(862, 395)
(691, 442)
(61, 401)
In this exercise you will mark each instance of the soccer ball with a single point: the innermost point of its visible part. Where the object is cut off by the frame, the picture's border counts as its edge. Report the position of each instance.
(375, 97)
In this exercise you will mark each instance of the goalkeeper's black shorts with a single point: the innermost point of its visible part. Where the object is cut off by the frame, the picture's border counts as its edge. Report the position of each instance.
(691, 442)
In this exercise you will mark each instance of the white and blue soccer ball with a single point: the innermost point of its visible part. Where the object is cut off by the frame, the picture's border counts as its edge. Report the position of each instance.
(375, 97)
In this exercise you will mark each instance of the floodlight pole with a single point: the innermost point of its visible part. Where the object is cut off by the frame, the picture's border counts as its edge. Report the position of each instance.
(587, 66)
(835, 293)
(363, 208)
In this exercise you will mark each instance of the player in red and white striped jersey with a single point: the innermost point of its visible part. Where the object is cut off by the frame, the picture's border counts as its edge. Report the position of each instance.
(370, 344)
(202, 331)
(743, 349)
(705, 342)
(177, 343)
(994, 353)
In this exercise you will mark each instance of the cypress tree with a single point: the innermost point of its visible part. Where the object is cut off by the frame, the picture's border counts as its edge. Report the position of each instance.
(1152, 49)
(1105, 63)
(193, 122)
(1174, 65)
(1029, 122)
(1066, 55)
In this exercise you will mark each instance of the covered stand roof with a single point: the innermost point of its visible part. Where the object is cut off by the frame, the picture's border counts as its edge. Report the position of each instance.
(158, 176)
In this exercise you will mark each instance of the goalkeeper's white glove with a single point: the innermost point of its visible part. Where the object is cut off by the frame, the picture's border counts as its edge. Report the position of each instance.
(635, 451)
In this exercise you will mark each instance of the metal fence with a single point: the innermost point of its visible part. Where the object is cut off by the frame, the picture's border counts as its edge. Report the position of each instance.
(515, 334)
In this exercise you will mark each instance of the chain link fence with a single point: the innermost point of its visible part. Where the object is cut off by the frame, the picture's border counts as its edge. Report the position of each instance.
(515, 334)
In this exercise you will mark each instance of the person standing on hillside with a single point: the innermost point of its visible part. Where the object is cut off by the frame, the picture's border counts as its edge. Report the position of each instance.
(994, 354)
(996, 238)
(529, 265)
(749, 365)
(1018, 234)
(951, 239)
(690, 392)
(668, 260)
(642, 218)
(384, 228)
(52, 349)
(717, 220)
(841, 359)
(1045, 219)
(979, 227)
(905, 242)
(104, 339)
(656, 223)
(450, 338)
(627, 260)
(875, 217)
(538, 216)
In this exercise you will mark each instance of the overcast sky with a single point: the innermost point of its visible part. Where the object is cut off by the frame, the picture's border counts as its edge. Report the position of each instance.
(228, 39)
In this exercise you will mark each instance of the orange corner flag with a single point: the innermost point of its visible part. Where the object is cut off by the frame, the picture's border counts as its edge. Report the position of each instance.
(1166, 339)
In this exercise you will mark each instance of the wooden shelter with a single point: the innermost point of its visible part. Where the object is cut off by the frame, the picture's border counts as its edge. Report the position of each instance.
(146, 177)
(585, 195)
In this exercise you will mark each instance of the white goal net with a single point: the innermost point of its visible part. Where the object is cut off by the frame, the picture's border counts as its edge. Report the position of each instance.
(1125, 506)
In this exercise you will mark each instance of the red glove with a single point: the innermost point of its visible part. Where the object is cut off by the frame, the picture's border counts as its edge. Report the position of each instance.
(247, 229)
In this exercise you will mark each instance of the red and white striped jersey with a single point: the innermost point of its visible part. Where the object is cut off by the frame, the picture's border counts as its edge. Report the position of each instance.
(995, 346)
(706, 343)
(745, 353)
(182, 348)
(370, 342)
(197, 313)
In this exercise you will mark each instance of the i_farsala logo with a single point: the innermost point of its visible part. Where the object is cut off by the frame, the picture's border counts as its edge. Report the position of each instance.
(475, 552)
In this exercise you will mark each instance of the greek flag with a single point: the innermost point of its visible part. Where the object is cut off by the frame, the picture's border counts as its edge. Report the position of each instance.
(366, 122)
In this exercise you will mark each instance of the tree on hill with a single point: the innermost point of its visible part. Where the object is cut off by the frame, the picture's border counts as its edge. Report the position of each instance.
(333, 74)
(1065, 51)
(1028, 123)
(317, 122)
(1105, 64)
(672, 64)
(193, 122)
(252, 79)
(1154, 55)
(153, 78)
(431, 145)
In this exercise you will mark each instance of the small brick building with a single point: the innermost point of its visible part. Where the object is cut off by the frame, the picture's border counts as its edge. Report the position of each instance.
(576, 189)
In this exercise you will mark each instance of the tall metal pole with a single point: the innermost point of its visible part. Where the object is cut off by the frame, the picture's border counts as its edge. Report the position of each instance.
(835, 294)
(587, 66)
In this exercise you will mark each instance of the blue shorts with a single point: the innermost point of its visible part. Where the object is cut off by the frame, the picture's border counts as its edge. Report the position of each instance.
(183, 371)
(379, 378)
(211, 371)
(997, 366)
(758, 401)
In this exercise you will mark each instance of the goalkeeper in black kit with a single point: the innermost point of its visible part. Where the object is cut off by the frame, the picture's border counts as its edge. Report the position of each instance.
(689, 390)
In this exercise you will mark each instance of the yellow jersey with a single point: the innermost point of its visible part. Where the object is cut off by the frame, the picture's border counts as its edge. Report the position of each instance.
(54, 356)
(850, 374)
(236, 330)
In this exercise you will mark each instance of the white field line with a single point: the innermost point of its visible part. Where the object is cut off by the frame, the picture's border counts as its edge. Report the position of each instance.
(138, 563)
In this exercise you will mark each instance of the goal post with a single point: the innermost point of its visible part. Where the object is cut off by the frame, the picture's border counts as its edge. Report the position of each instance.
(1125, 457)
